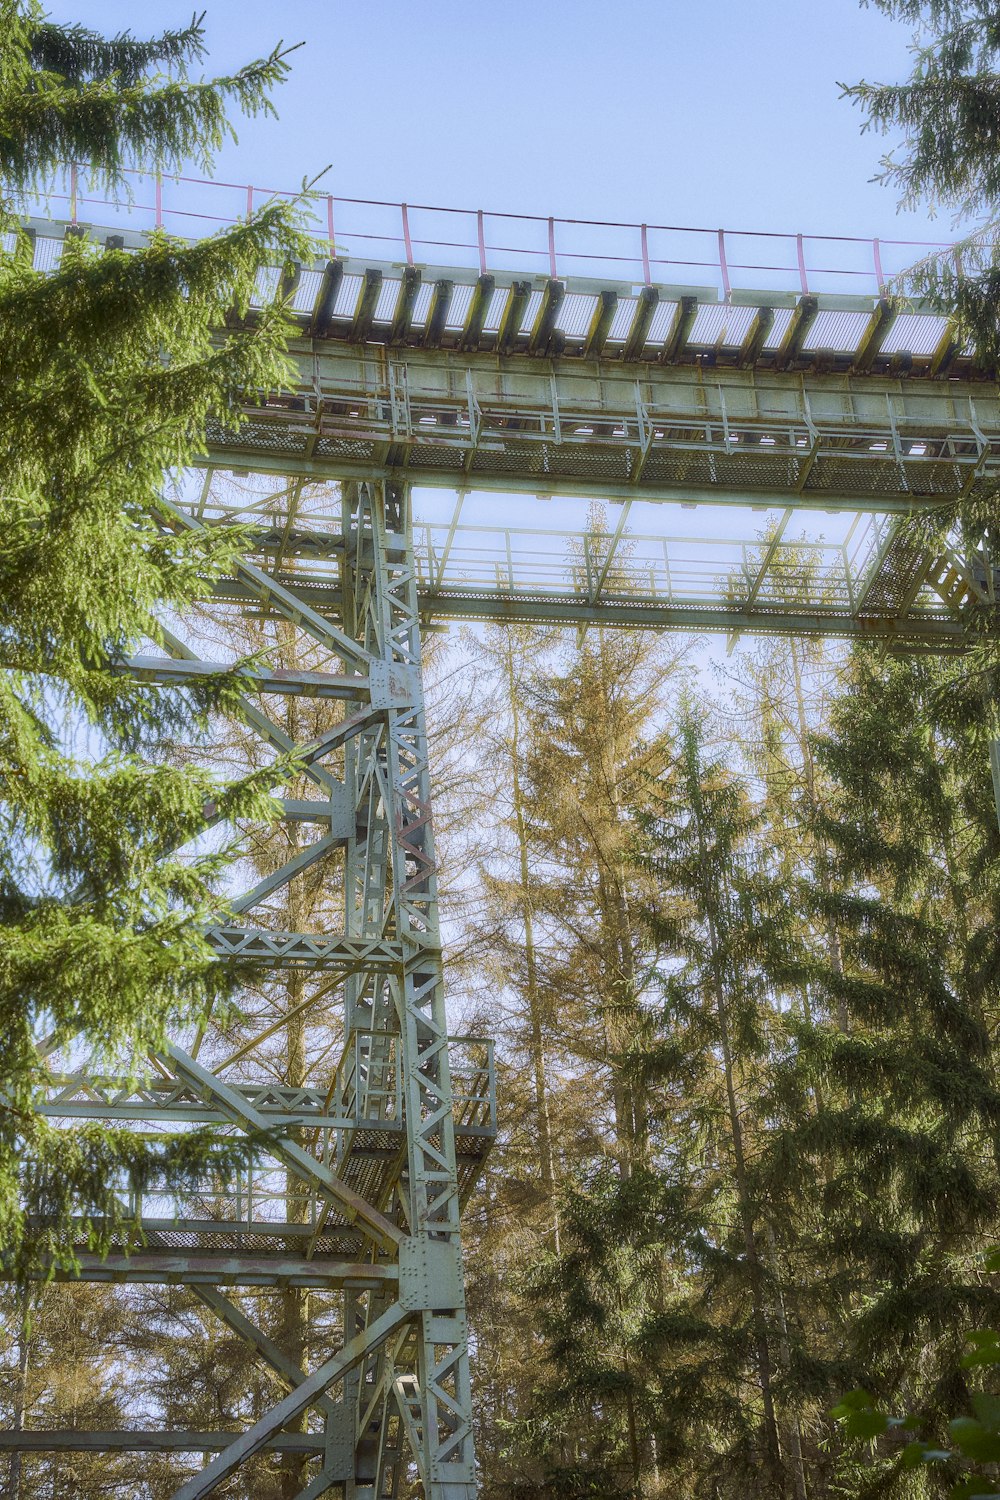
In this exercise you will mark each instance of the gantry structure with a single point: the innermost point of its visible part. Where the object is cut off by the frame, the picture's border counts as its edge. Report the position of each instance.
(399, 484)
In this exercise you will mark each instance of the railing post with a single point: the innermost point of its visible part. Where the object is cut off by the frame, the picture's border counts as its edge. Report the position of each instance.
(552, 250)
(491, 1082)
(158, 194)
(800, 250)
(647, 279)
(249, 201)
(73, 186)
(329, 225)
(724, 265)
(406, 235)
(879, 278)
(482, 241)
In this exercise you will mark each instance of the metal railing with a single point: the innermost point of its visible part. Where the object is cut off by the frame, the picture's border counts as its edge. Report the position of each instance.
(489, 240)
(368, 1084)
(369, 1080)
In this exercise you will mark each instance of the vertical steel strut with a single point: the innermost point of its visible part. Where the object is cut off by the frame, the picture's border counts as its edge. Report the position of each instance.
(401, 1383)
(370, 1202)
(417, 1383)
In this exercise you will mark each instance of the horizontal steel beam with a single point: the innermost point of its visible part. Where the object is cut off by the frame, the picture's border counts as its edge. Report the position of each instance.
(117, 1440)
(316, 1118)
(278, 1268)
(313, 950)
(659, 615)
(257, 679)
(942, 631)
(547, 485)
(658, 432)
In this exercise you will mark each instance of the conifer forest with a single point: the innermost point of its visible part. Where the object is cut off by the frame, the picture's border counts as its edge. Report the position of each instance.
(731, 922)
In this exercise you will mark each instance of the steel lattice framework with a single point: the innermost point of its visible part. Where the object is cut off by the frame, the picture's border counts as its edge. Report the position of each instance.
(484, 385)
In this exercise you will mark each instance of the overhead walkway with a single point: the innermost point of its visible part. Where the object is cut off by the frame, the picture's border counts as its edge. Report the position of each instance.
(783, 406)
(487, 440)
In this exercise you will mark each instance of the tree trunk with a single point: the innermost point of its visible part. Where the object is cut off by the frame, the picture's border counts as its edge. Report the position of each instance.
(755, 1271)
(16, 1471)
(543, 1122)
(621, 1013)
(826, 885)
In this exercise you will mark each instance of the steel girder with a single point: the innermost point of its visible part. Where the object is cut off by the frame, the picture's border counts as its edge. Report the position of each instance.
(883, 451)
(380, 1161)
(394, 1146)
(694, 433)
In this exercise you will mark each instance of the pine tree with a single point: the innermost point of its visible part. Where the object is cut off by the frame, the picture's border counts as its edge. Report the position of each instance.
(666, 1353)
(593, 1425)
(950, 157)
(723, 917)
(112, 365)
(885, 1105)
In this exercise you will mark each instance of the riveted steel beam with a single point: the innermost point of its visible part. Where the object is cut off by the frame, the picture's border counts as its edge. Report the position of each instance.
(276, 1268)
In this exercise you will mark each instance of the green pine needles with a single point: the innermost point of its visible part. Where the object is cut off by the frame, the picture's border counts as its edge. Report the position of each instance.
(948, 113)
(112, 366)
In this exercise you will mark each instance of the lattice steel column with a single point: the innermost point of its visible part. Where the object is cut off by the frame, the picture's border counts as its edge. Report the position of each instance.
(373, 1158)
(392, 895)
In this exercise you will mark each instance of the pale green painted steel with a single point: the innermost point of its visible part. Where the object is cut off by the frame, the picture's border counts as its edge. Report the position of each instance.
(121, 1440)
(597, 429)
(326, 475)
(879, 450)
(374, 1209)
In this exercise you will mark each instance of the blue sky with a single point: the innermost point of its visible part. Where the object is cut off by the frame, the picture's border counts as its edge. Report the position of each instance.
(692, 111)
(697, 112)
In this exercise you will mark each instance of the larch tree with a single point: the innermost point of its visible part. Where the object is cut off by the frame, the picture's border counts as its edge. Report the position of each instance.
(67, 1359)
(563, 959)
(113, 363)
(591, 747)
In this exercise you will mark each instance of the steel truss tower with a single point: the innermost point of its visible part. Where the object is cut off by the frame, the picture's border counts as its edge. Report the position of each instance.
(641, 397)
(405, 1126)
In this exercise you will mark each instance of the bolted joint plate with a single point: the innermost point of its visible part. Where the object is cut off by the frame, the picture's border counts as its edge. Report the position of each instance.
(430, 1275)
(338, 1462)
(341, 811)
(392, 685)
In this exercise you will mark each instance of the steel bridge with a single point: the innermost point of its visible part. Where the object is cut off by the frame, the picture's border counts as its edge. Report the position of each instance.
(763, 462)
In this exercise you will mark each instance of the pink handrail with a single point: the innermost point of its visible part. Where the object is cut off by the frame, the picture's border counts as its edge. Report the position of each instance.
(642, 259)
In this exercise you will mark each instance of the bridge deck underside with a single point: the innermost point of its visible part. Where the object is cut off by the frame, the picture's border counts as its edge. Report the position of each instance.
(752, 474)
(808, 489)
(772, 403)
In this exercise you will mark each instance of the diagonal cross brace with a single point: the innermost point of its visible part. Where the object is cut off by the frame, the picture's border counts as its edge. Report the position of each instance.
(289, 1373)
(289, 1153)
(269, 732)
(303, 860)
(321, 1485)
(291, 1407)
(284, 601)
